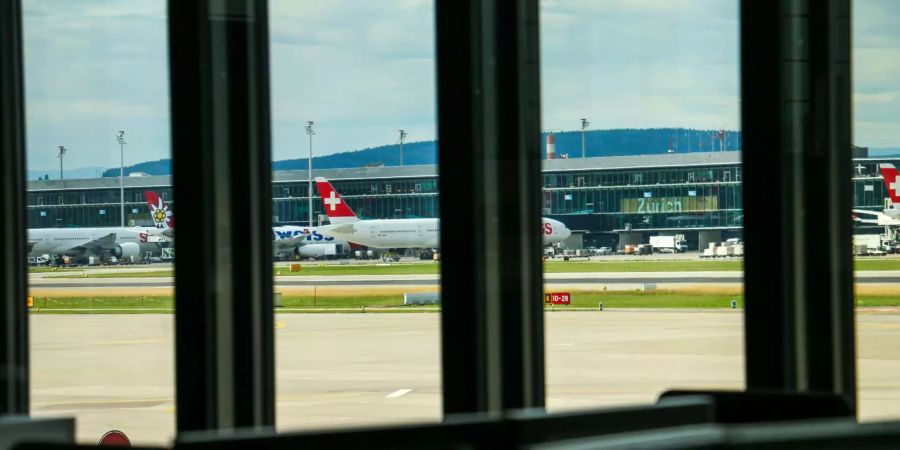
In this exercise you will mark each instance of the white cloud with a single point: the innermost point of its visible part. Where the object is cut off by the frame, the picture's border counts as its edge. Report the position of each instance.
(640, 64)
(363, 69)
(876, 73)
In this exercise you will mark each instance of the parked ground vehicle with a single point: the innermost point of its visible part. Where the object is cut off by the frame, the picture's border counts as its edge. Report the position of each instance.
(668, 244)
(870, 245)
(727, 249)
(38, 260)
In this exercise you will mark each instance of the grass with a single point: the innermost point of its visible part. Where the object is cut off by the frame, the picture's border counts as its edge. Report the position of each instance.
(643, 266)
(46, 269)
(876, 264)
(82, 305)
(610, 299)
(130, 274)
(430, 268)
(342, 301)
(315, 269)
(654, 299)
(871, 301)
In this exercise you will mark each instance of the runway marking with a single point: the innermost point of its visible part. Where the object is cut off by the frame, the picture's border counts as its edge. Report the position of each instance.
(398, 393)
(279, 325)
(566, 344)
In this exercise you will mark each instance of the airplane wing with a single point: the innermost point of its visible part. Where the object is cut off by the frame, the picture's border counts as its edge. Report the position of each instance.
(345, 228)
(299, 239)
(290, 243)
(873, 217)
(97, 245)
(30, 246)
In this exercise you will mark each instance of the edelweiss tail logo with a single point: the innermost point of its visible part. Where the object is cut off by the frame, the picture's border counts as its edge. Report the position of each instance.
(161, 214)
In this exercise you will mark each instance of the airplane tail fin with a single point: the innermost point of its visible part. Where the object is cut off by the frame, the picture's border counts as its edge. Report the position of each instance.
(891, 181)
(337, 209)
(159, 211)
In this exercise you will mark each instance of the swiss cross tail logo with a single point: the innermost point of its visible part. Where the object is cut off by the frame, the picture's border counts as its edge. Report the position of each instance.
(895, 185)
(332, 201)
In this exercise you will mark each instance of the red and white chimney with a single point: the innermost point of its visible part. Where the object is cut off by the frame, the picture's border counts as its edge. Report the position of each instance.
(551, 146)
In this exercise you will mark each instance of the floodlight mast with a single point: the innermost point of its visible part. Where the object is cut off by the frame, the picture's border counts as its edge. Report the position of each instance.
(120, 138)
(584, 125)
(402, 139)
(310, 132)
(62, 152)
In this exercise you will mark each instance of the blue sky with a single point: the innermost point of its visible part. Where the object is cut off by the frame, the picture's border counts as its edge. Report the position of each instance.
(364, 69)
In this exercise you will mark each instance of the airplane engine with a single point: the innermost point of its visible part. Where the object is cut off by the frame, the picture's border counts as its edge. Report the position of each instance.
(127, 250)
(311, 251)
(318, 250)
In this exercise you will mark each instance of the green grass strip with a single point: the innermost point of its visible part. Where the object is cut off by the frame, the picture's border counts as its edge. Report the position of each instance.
(149, 274)
(610, 299)
(430, 268)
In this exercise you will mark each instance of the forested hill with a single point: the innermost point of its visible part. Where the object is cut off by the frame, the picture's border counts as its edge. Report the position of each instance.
(616, 142)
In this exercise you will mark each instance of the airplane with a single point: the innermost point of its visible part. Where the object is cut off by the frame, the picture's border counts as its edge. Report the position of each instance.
(398, 233)
(304, 241)
(122, 243)
(119, 242)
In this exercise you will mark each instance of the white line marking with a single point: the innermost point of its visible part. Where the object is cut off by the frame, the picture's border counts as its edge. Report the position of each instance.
(398, 393)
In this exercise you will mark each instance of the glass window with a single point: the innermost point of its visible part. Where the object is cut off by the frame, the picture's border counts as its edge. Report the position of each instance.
(658, 83)
(96, 85)
(353, 83)
(876, 128)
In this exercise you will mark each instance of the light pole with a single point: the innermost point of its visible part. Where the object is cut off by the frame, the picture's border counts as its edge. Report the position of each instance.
(402, 138)
(310, 132)
(584, 125)
(120, 138)
(62, 152)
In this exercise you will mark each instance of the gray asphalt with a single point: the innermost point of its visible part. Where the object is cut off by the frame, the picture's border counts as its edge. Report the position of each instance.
(352, 370)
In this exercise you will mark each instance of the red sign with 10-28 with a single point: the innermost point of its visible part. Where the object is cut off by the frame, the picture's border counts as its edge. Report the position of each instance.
(558, 298)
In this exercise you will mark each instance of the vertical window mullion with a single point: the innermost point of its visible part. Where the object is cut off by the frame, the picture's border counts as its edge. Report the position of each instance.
(224, 322)
(14, 367)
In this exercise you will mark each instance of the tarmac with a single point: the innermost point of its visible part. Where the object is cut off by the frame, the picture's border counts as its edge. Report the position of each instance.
(348, 370)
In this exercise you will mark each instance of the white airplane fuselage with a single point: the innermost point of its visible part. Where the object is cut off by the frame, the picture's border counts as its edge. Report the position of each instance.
(416, 233)
(307, 241)
(83, 241)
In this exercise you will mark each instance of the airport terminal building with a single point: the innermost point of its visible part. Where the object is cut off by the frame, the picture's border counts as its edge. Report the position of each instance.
(608, 201)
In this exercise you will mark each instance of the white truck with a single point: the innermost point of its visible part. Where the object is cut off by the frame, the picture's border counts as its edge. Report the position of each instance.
(668, 244)
(868, 244)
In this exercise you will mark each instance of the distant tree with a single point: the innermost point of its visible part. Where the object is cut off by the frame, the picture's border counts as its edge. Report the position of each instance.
(613, 142)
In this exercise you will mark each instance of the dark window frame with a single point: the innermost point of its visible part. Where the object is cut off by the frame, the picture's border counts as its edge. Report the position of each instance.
(781, 355)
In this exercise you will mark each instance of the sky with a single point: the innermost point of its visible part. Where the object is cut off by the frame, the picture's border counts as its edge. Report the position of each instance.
(361, 70)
